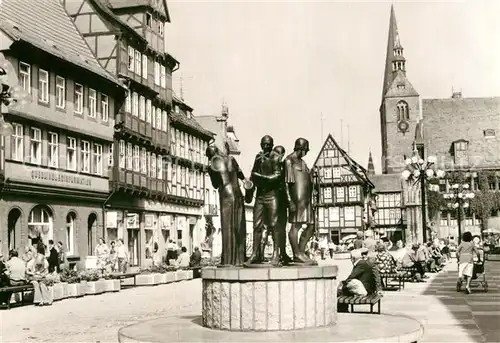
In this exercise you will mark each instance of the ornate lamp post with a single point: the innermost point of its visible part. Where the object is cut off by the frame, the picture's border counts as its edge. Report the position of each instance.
(420, 171)
(458, 198)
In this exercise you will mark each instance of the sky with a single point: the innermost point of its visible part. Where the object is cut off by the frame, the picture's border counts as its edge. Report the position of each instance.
(283, 65)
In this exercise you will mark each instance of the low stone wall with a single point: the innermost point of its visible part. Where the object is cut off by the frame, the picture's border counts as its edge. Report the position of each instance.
(269, 299)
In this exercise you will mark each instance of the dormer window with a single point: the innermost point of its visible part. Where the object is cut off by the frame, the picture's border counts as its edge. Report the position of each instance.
(489, 133)
(149, 20)
(176, 109)
(403, 111)
(401, 86)
(460, 152)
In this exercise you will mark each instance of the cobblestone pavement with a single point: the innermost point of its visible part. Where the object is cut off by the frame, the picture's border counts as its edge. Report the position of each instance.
(447, 316)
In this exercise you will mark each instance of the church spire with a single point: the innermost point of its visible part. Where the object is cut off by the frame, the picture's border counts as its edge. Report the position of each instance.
(394, 59)
(371, 166)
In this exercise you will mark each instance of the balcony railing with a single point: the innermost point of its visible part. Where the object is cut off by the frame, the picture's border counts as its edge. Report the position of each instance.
(211, 210)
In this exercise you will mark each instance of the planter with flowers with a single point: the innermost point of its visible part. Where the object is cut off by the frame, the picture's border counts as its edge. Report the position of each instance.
(56, 288)
(72, 280)
(94, 281)
(148, 277)
(111, 284)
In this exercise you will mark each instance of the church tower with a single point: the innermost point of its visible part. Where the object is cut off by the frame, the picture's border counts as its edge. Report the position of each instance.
(371, 166)
(399, 110)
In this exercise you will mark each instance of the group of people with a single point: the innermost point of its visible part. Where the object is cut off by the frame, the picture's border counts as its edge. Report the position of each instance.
(112, 258)
(35, 266)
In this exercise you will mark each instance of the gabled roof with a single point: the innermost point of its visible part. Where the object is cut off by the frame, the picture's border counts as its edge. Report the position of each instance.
(387, 183)
(120, 4)
(359, 171)
(448, 120)
(211, 123)
(45, 25)
(179, 118)
(395, 90)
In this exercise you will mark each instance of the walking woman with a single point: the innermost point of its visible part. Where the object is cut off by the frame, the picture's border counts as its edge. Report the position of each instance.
(465, 257)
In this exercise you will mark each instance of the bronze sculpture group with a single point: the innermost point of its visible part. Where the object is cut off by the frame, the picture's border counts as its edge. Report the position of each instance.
(283, 189)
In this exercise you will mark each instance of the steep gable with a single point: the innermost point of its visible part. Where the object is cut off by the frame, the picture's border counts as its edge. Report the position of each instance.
(160, 6)
(400, 87)
(332, 154)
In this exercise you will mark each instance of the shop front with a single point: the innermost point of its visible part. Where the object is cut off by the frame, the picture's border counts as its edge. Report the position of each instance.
(38, 205)
(146, 231)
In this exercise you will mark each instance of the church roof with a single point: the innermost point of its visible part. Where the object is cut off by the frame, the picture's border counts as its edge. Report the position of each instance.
(400, 87)
(51, 30)
(449, 120)
(387, 183)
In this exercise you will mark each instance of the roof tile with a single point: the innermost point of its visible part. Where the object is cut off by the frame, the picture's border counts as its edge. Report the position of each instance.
(51, 30)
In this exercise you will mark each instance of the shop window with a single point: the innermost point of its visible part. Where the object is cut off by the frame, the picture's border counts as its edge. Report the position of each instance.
(91, 232)
(70, 234)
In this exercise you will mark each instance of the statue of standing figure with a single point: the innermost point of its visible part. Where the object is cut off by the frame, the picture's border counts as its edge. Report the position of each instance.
(269, 208)
(299, 192)
(225, 174)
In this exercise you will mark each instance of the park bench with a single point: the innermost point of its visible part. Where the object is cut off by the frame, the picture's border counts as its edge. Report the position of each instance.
(371, 299)
(123, 276)
(408, 272)
(398, 276)
(15, 289)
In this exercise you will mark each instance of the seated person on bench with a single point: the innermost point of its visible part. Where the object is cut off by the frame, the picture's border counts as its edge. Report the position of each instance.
(410, 260)
(364, 278)
(16, 269)
(4, 281)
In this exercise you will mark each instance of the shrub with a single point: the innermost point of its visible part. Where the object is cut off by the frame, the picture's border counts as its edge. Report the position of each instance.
(90, 275)
(70, 276)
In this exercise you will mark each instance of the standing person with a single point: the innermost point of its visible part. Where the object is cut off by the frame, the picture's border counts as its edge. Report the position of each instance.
(171, 251)
(61, 256)
(370, 243)
(465, 257)
(101, 252)
(122, 256)
(195, 260)
(112, 259)
(331, 248)
(323, 245)
(358, 241)
(53, 257)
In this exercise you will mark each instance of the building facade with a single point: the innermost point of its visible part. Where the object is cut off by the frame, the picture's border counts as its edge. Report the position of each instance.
(461, 132)
(158, 179)
(345, 193)
(56, 163)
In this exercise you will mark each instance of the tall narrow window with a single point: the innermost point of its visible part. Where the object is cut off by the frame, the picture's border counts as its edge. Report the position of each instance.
(160, 28)
(340, 194)
(135, 104)
(18, 143)
(36, 146)
(85, 156)
(148, 111)
(136, 159)
(153, 117)
(162, 77)
(131, 56)
(144, 165)
(60, 92)
(159, 164)
(121, 159)
(157, 73)
(104, 108)
(43, 85)
(71, 153)
(152, 166)
(128, 103)
(164, 121)
(70, 233)
(92, 103)
(142, 108)
(111, 159)
(78, 98)
(97, 159)
(25, 76)
(138, 60)
(158, 118)
(129, 156)
(53, 153)
(144, 66)
(403, 111)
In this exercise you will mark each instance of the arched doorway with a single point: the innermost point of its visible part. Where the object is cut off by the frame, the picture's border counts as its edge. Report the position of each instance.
(40, 225)
(91, 232)
(70, 233)
(13, 223)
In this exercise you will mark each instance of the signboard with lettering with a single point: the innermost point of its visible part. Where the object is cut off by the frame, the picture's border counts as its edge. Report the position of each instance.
(51, 177)
(156, 206)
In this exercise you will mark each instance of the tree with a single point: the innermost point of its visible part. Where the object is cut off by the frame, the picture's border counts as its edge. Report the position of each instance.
(485, 200)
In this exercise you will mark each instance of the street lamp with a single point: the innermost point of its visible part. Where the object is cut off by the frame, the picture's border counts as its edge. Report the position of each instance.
(458, 198)
(420, 170)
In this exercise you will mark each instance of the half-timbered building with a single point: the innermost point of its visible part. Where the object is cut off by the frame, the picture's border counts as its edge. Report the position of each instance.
(344, 192)
(148, 204)
(55, 164)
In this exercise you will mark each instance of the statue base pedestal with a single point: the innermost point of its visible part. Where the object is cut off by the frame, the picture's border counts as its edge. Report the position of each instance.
(269, 298)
